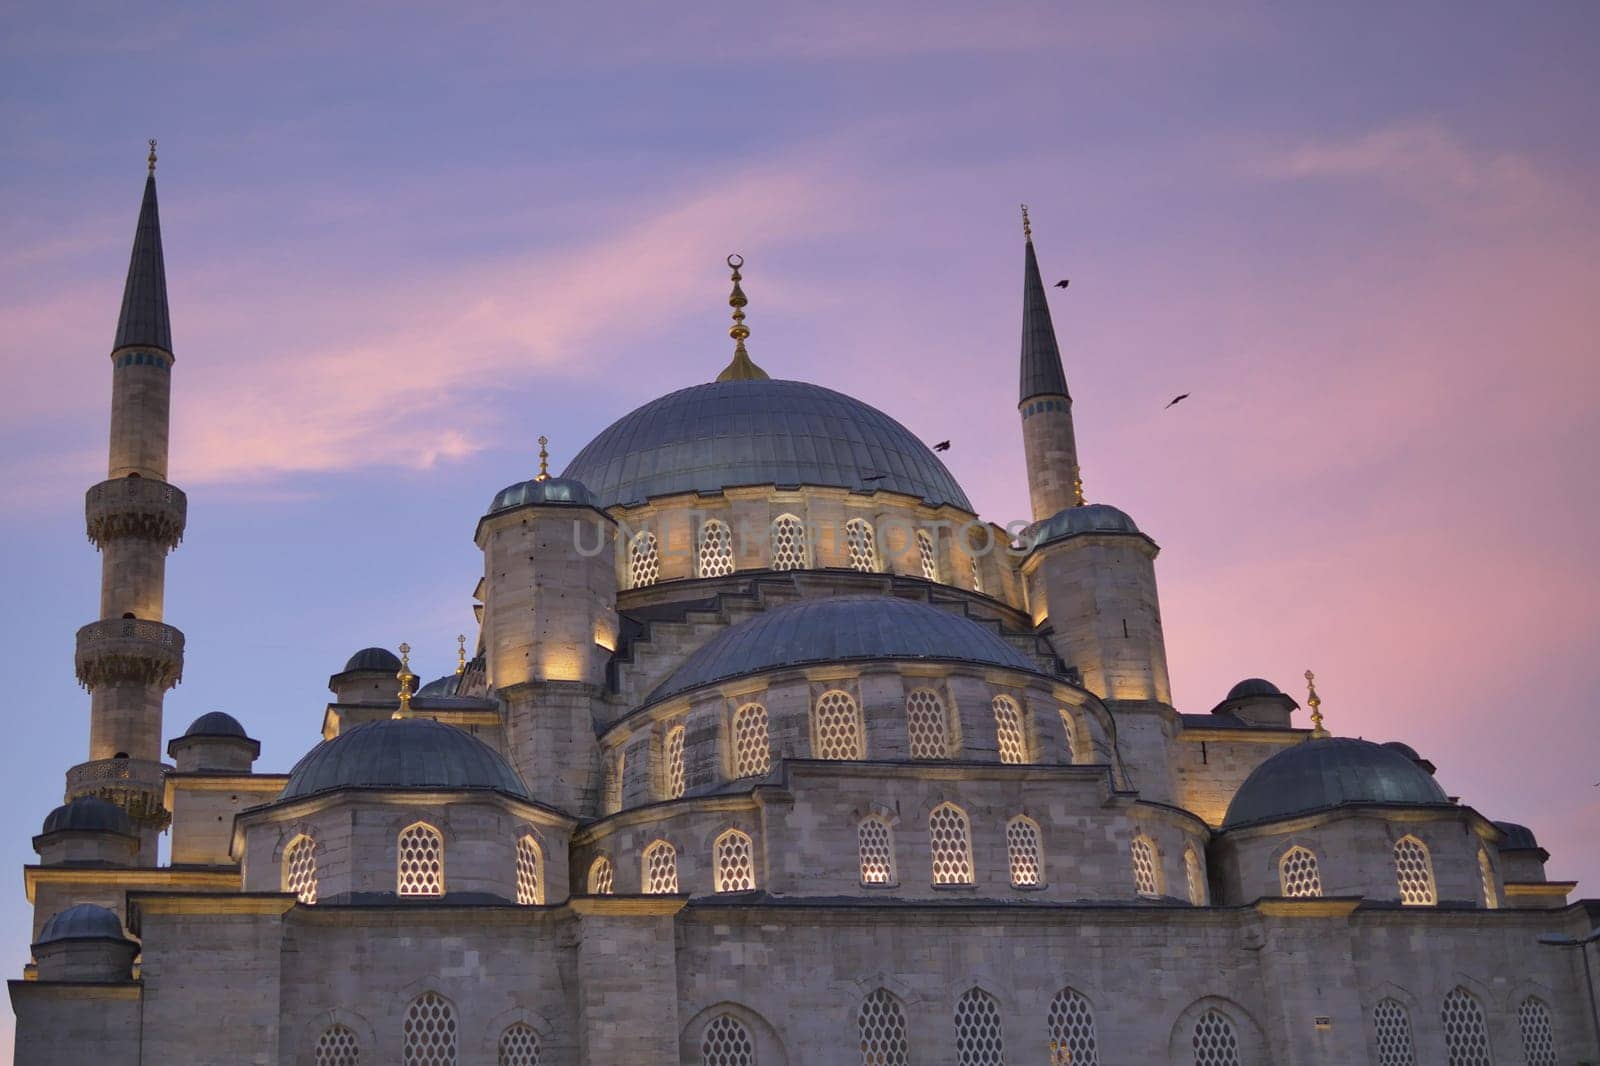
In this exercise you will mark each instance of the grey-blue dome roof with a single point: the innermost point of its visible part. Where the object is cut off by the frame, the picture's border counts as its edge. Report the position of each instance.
(1517, 837)
(440, 686)
(86, 921)
(1327, 772)
(1403, 748)
(550, 490)
(840, 629)
(1090, 518)
(709, 437)
(374, 659)
(88, 814)
(403, 753)
(1251, 687)
(215, 724)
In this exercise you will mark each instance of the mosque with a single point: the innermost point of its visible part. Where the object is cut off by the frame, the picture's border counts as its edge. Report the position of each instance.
(765, 750)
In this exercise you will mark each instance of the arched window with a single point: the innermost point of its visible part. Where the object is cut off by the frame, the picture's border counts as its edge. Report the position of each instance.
(950, 845)
(789, 548)
(1069, 731)
(752, 746)
(979, 1040)
(1466, 1036)
(519, 1046)
(727, 1043)
(660, 869)
(1538, 1039)
(338, 1046)
(430, 1032)
(421, 861)
(1072, 1038)
(1008, 730)
(1393, 1027)
(300, 868)
(644, 560)
(1195, 874)
(602, 877)
(977, 578)
(675, 769)
(926, 734)
(716, 549)
(733, 863)
(1298, 874)
(883, 1030)
(1215, 1041)
(1413, 870)
(530, 871)
(862, 544)
(1491, 898)
(1146, 868)
(1023, 852)
(836, 727)
(927, 555)
(877, 851)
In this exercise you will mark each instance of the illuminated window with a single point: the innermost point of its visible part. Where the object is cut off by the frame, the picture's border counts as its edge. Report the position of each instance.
(716, 549)
(1008, 730)
(530, 872)
(925, 725)
(1146, 881)
(1022, 850)
(1196, 875)
(660, 869)
(675, 771)
(602, 877)
(1069, 732)
(727, 1043)
(1466, 1036)
(929, 558)
(979, 1040)
(644, 560)
(877, 851)
(1072, 1038)
(883, 1031)
(1413, 871)
(337, 1046)
(430, 1032)
(1215, 1042)
(300, 868)
(1491, 898)
(733, 868)
(1538, 1039)
(789, 548)
(752, 746)
(837, 728)
(421, 863)
(1393, 1027)
(862, 544)
(950, 845)
(977, 578)
(1298, 874)
(519, 1046)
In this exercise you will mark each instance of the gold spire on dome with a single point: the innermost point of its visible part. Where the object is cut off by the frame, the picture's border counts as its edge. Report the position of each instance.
(152, 160)
(1314, 701)
(1027, 229)
(741, 369)
(405, 677)
(544, 460)
(461, 654)
(1077, 488)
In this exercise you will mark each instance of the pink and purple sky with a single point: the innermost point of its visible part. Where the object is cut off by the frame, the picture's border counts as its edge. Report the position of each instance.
(402, 242)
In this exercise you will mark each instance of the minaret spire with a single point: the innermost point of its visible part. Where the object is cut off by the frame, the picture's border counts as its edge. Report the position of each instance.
(1054, 478)
(741, 369)
(144, 318)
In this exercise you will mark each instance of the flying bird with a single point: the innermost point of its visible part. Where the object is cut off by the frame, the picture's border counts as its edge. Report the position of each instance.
(942, 446)
(1063, 283)
(1177, 399)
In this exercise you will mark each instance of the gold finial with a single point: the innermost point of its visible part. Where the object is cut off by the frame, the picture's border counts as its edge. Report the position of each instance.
(461, 653)
(405, 677)
(1314, 701)
(741, 369)
(544, 460)
(1027, 229)
(1077, 488)
(152, 159)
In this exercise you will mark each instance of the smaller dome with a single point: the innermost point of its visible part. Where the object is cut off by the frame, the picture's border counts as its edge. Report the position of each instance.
(1090, 518)
(375, 660)
(216, 724)
(88, 814)
(1518, 837)
(440, 686)
(565, 490)
(403, 753)
(1327, 772)
(86, 921)
(1251, 687)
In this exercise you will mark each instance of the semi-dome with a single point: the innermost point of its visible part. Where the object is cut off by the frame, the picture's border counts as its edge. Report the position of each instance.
(215, 724)
(1252, 687)
(710, 437)
(565, 490)
(88, 814)
(376, 660)
(1090, 518)
(403, 753)
(1326, 772)
(841, 629)
(1517, 837)
(86, 921)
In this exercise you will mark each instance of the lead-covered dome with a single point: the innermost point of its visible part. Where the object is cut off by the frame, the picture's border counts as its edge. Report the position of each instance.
(403, 753)
(376, 660)
(1090, 518)
(1322, 773)
(840, 629)
(215, 724)
(86, 921)
(710, 437)
(88, 814)
(560, 490)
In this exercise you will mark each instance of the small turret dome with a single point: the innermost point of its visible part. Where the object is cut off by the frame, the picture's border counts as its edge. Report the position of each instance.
(1323, 773)
(403, 753)
(1517, 837)
(559, 490)
(440, 686)
(1252, 687)
(86, 921)
(375, 660)
(1403, 748)
(215, 724)
(1090, 518)
(88, 814)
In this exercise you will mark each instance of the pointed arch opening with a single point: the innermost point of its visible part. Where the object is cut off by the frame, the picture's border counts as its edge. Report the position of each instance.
(420, 869)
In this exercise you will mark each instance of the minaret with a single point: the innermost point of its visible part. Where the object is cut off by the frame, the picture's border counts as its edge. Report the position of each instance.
(130, 658)
(1051, 450)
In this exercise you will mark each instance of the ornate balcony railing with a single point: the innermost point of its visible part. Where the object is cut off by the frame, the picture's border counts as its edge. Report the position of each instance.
(136, 507)
(129, 649)
(135, 785)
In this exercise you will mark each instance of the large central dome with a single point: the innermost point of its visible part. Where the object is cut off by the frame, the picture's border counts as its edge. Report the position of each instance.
(711, 437)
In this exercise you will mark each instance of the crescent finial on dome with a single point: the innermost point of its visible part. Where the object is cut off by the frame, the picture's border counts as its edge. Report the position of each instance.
(741, 369)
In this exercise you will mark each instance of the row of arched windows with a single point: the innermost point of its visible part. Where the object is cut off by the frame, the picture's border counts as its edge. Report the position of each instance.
(1466, 1032)
(789, 547)
(733, 867)
(1299, 874)
(430, 1036)
(419, 865)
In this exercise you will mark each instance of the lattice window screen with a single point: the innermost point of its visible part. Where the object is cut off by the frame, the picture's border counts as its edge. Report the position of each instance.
(1070, 735)
(789, 548)
(1143, 853)
(430, 1032)
(950, 845)
(660, 869)
(979, 1041)
(1072, 1038)
(1215, 1042)
(877, 851)
(519, 1046)
(337, 1046)
(1022, 850)
(928, 556)
(727, 1043)
(862, 544)
(883, 1031)
(1008, 730)
(300, 869)
(421, 871)
(977, 577)
(530, 872)
(1491, 898)
(675, 768)
(1538, 1039)
(734, 863)
(1196, 875)
(752, 745)
(838, 727)
(1298, 874)
(1413, 871)
(1393, 1027)
(644, 560)
(602, 877)
(926, 733)
(716, 549)
(1466, 1036)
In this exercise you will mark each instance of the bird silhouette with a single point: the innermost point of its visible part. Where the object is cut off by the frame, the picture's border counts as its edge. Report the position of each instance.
(1177, 399)
(942, 446)
(1063, 283)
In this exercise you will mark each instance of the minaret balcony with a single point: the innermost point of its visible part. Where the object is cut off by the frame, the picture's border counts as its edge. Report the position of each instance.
(136, 507)
(129, 650)
(138, 786)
